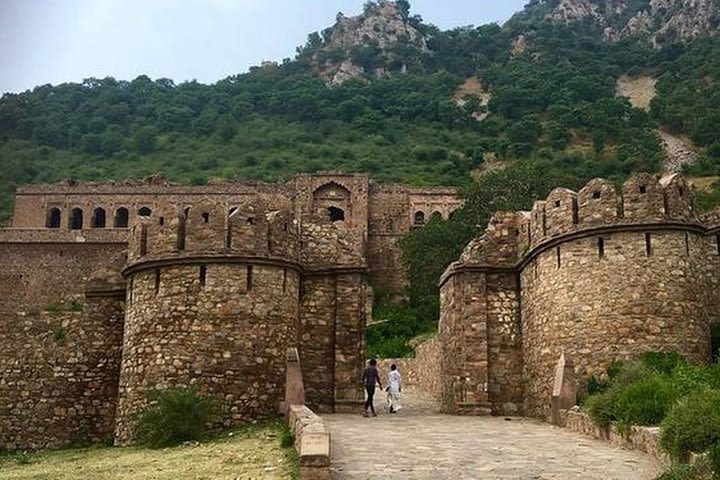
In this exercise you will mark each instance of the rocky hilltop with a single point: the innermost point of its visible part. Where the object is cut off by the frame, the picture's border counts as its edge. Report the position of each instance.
(383, 39)
(660, 22)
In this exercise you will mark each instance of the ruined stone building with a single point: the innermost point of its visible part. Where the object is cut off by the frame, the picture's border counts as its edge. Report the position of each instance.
(109, 290)
(599, 274)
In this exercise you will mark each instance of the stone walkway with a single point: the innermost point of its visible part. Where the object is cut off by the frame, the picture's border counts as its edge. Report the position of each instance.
(420, 444)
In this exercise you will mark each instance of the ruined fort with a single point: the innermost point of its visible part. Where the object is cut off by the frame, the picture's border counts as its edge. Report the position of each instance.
(600, 274)
(109, 290)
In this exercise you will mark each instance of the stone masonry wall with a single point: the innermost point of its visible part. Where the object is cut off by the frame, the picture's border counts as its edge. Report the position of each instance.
(505, 361)
(225, 334)
(421, 371)
(59, 375)
(481, 339)
(599, 308)
(35, 275)
(462, 333)
(334, 311)
(389, 220)
(317, 341)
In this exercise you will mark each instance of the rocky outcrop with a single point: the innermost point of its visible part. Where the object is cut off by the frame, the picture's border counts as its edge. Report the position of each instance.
(660, 22)
(380, 40)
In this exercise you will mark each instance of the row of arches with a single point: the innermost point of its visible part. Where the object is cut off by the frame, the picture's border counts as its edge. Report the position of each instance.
(419, 218)
(99, 219)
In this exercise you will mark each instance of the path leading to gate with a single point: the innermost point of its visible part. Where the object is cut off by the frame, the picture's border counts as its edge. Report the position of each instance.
(421, 444)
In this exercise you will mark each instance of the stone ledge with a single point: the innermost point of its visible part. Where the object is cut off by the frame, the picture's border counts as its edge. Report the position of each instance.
(643, 439)
(312, 442)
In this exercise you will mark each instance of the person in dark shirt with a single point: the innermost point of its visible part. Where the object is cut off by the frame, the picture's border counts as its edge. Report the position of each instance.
(370, 378)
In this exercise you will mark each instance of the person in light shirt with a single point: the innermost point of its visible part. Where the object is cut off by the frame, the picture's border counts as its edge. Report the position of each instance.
(394, 389)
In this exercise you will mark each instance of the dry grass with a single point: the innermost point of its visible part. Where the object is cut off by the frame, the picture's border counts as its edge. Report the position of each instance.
(251, 453)
(704, 183)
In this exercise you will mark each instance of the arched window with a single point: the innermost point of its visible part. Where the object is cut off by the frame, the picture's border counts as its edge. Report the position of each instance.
(76, 219)
(332, 199)
(419, 219)
(53, 218)
(122, 216)
(437, 216)
(144, 212)
(336, 214)
(98, 218)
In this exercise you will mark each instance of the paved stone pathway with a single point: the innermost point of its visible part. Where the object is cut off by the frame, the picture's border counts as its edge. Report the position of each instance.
(420, 444)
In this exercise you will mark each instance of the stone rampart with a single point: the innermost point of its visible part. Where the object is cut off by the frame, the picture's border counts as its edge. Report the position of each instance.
(59, 375)
(644, 199)
(223, 329)
(599, 275)
(38, 274)
(219, 280)
(612, 304)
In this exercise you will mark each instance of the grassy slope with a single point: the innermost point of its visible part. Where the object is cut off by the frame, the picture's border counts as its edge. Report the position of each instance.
(253, 452)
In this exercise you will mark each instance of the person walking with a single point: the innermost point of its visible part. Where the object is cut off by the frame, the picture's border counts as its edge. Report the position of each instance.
(394, 389)
(370, 378)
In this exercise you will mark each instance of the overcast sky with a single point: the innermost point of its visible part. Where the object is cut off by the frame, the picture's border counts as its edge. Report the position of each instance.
(56, 41)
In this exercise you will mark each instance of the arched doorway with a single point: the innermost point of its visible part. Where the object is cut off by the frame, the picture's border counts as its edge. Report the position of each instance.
(76, 219)
(122, 216)
(99, 218)
(53, 218)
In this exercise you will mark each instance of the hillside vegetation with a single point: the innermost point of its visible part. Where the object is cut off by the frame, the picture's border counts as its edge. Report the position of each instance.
(549, 108)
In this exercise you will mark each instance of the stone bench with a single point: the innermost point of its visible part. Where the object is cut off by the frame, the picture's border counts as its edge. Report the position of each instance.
(312, 442)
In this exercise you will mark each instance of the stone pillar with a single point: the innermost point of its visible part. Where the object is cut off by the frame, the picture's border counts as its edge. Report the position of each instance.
(350, 315)
(564, 389)
(317, 341)
(464, 337)
(294, 387)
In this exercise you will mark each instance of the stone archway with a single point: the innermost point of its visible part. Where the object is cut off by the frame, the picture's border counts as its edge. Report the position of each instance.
(332, 201)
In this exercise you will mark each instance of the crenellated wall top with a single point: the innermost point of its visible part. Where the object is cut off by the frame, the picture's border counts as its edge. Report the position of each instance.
(209, 230)
(645, 199)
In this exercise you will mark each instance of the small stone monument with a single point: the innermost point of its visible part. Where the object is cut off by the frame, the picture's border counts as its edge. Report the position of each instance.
(564, 394)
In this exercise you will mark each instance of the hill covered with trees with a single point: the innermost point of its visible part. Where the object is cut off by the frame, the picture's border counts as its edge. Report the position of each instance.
(532, 102)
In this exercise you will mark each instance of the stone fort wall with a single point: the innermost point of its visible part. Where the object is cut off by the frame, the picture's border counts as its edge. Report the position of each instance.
(381, 213)
(598, 274)
(59, 375)
(216, 283)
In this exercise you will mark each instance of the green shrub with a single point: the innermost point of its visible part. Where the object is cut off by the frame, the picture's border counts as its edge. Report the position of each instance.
(287, 439)
(174, 416)
(663, 362)
(699, 471)
(601, 407)
(645, 402)
(624, 374)
(77, 305)
(633, 395)
(60, 334)
(692, 425)
(691, 378)
(22, 458)
(713, 457)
